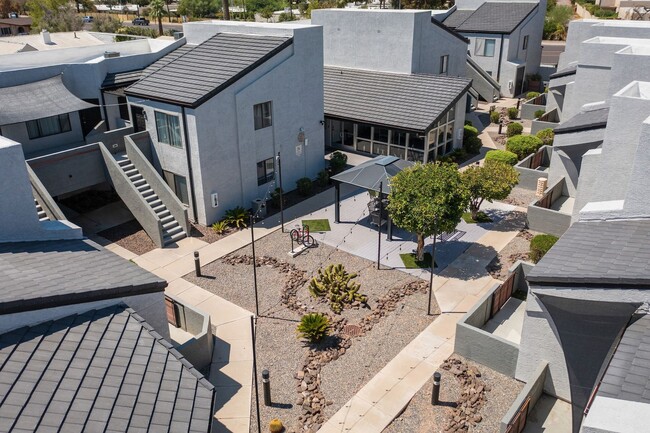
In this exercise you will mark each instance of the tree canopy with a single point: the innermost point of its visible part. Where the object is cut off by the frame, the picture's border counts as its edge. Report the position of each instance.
(199, 8)
(427, 199)
(493, 181)
(157, 10)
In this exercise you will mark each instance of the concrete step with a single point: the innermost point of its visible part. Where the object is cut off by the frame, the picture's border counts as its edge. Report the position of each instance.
(163, 213)
(167, 218)
(147, 193)
(169, 225)
(140, 182)
(128, 167)
(142, 186)
(154, 201)
(132, 173)
(124, 161)
(170, 240)
(172, 231)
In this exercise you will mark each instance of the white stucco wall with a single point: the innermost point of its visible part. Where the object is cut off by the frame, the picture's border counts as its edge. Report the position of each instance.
(150, 306)
(18, 132)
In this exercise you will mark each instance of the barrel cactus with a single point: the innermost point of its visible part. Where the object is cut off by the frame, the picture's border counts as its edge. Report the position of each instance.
(335, 284)
(275, 426)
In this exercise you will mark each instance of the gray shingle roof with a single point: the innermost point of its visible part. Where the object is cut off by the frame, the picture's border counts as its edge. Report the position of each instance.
(103, 370)
(628, 374)
(583, 121)
(374, 173)
(206, 69)
(35, 275)
(569, 70)
(407, 101)
(598, 252)
(491, 17)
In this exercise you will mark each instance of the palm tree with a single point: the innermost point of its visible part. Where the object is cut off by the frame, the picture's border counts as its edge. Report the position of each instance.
(157, 10)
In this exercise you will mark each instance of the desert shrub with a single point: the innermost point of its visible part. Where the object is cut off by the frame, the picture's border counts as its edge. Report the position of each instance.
(501, 156)
(468, 123)
(546, 135)
(237, 217)
(539, 113)
(459, 155)
(220, 227)
(313, 327)
(471, 142)
(513, 113)
(495, 116)
(531, 95)
(514, 128)
(335, 284)
(523, 145)
(275, 198)
(323, 178)
(304, 186)
(539, 246)
(338, 161)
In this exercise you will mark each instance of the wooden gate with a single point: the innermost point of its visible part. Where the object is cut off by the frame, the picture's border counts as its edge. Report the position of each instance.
(518, 423)
(502, 294)
(537, 159)
(172, 316)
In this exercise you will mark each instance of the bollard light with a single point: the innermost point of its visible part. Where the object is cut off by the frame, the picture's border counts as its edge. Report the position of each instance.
(197, 264)
(266, 386)
(435, 391)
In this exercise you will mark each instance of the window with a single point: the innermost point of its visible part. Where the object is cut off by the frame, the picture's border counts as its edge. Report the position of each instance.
(262, 114)
(178, 184)
(124, 107)
(48, 126)
(5, 31)
(169, 129)
(265, 171)
(485, 47)
(381, 134)
(524, 46)
(444, 63)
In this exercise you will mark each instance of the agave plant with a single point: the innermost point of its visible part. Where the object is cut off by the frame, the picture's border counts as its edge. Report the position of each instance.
(220, 227)
(237, 217)
(313, 327)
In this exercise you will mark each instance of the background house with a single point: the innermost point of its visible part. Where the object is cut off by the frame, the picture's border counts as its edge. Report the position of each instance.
(504, 38)
(15, 26)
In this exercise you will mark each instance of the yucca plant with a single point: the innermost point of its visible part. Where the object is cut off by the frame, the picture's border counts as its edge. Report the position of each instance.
(313, 327)
(220, 227)
(237, 217)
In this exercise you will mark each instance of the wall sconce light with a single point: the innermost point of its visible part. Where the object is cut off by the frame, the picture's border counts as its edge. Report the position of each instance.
(322, 122)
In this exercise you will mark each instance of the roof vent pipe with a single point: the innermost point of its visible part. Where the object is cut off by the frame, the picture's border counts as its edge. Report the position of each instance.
(46, 37)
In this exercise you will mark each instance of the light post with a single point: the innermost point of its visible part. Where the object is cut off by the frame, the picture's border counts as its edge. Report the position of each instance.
(252, 223)
(281, 192)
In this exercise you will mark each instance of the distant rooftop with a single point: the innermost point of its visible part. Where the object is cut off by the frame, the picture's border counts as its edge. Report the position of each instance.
(212, 65)
(490, 17)
(102, 370)
(407, 101)
(15, 44)
(36, 275)
(598, 252)
(584, 121)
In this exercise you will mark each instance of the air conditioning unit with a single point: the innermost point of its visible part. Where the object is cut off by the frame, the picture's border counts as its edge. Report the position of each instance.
(111, 54)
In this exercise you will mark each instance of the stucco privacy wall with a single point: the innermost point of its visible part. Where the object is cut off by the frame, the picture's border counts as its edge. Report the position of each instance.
(406, 37)
(150, 306)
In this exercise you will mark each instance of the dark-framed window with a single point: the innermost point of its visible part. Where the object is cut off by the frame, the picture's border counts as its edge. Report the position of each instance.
(124, 107)
(444, 64)
(265, 171)
(381, 134)
(524, 45)
(485, 47)
(416, 141)
(48, 126)
(263, 115)
(5, 31)
(168, 127)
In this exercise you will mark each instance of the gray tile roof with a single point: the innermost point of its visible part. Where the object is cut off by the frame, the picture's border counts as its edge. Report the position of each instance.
(569, 70)
(491, 17)
(407, 101)
(598, 252)
(628, 374)
(584, 121)
(35, 275)
(206, 69)
(104, 370)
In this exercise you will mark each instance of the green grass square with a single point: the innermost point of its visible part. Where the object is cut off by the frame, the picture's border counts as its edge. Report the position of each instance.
(482, 217)
(411, 263)
(322, 225)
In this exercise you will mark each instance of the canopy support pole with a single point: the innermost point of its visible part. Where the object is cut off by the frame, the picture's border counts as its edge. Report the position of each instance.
(337, 202)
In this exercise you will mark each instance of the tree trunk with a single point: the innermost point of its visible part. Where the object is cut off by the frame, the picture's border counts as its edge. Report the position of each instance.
(474, 211)
(226, 9)
(160, 27)
(420, 249)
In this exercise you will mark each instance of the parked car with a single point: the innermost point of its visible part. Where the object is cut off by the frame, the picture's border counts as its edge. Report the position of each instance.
(13, 15)
(139, 21)
(87, 19)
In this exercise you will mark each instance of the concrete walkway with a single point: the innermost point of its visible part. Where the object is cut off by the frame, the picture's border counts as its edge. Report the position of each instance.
(457, 288)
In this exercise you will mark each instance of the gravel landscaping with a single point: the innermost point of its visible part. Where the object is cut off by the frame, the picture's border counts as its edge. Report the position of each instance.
(131, 236)
(520, 197)
(420, 416)
(309, 384)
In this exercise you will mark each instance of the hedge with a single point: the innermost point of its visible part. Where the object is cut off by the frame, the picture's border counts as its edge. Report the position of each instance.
(546, 135)
(531, 95)
(513, 113)
(471, 142)
(539, 246)
(514, 128)
(523, 145)
(501, 156)
(539, 113)
(495, 116)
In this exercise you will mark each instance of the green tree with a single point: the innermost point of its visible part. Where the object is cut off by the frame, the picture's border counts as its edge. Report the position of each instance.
(198, 8)
(140, 4)
(556, 23)
(62, 19)
(427, 199)
(267, 13)
(106, 23)
(419, 4)
(493, 181)
(157, 11)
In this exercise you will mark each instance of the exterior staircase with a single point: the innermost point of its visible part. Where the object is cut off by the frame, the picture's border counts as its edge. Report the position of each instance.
(172, 230)
(42, 216)
(482, 83)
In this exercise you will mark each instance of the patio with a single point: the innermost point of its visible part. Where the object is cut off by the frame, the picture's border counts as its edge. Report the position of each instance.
(356, 235)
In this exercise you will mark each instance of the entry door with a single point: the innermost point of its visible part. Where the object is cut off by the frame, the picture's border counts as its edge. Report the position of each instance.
(519, 82)
(348, 134)
(139, 123)
(336, 133)
(178, 184)
(90, 117)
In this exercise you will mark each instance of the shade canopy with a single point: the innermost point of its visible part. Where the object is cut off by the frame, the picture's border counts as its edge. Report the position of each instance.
(374, 173)
(37, 100)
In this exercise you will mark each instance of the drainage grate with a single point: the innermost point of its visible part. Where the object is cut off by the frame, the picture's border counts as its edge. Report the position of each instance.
(352, 330)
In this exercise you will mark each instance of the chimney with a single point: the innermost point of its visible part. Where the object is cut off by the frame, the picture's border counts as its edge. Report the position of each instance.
(46, 37)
